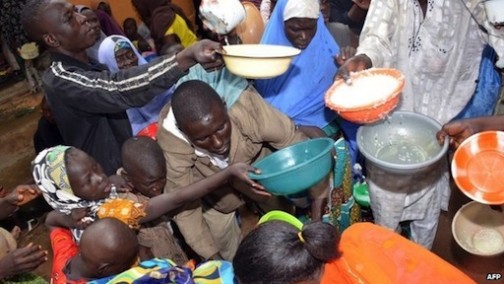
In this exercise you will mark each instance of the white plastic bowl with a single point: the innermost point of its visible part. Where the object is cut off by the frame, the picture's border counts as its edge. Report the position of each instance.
(479, 230)
(258, 61)
(495, 11)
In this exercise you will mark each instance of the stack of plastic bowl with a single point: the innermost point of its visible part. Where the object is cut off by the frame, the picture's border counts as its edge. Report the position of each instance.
(477, 169)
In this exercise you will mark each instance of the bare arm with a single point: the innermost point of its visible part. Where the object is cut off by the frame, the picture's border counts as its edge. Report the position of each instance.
(15, 198)
(104, 92)
(359, 10)
(56, 219)
(167, 202)
(312, 131)
(319, 194)
(458, 131)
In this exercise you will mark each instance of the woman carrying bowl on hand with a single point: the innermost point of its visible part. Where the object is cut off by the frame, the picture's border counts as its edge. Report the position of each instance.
(299, 92)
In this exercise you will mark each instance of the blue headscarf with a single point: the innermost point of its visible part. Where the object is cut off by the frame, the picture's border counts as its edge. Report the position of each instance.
(299, 92)
(143, 116)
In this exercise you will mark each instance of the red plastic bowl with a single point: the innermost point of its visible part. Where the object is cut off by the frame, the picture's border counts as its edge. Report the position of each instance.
(149, 131)
(373, 110)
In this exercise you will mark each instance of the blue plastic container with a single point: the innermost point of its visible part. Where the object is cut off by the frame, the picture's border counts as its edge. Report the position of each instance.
(295, 168)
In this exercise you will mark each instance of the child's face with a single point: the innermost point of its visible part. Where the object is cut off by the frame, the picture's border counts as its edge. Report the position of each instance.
(86, 176)
(149, 181)
(105, 8)
(130, 29)
(212, 133)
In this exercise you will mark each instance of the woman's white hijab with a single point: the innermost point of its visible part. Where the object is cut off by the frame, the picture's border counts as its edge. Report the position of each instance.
(301, 9)
(106, 52)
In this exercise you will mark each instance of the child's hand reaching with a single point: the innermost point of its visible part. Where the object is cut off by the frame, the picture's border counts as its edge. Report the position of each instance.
(22, 194)
(80, 219)
(121, 184)
(240, 172)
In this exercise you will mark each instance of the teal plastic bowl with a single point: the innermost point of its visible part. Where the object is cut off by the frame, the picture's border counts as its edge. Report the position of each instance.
(295, 168)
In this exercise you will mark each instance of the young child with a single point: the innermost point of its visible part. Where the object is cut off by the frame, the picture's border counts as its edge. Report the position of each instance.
(72, 180)
(107, 247)
(281, 252)
(145, 171)
(130, 29)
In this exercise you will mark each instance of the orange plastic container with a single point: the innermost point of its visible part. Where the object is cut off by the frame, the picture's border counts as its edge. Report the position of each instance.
(373, 110)
(478, 167)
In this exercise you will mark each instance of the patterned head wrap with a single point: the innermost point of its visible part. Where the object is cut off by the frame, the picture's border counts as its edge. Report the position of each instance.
(301, 9)
(122, 44)
(50, 175)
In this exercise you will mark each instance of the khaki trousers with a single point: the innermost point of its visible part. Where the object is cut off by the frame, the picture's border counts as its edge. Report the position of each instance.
(208, 231)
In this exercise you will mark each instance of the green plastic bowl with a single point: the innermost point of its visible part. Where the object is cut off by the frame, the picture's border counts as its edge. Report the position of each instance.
(277, 215)
(295, 168)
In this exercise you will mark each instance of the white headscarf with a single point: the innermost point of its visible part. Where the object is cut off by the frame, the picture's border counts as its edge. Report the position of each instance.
(301, 9)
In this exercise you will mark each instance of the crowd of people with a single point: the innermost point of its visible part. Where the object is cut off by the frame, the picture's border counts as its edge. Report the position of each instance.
(145, 130)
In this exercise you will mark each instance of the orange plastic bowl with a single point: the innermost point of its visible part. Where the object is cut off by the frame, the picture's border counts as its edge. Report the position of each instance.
(478, 167)
(370, 111)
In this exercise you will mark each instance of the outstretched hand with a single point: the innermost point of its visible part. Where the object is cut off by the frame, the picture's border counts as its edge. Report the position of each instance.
(204, 52)
(22, 260)
(120, 183)
(356, 63)
(457, 132)
(240, 172)
(345, 54)
(21, 194)
(80, 219)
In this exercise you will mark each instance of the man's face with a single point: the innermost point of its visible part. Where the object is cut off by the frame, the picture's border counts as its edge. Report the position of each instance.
(212, 133)
(300, 31)
(93, 21)
(66, 29)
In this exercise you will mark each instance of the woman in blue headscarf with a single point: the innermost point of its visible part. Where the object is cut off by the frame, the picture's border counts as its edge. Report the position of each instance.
(299, 92)
(118, 52)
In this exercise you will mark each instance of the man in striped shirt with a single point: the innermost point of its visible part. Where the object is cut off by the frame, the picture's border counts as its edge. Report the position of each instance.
(89, 102)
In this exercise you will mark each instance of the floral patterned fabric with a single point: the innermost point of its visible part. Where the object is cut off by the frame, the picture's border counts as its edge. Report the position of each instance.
(50, 175)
